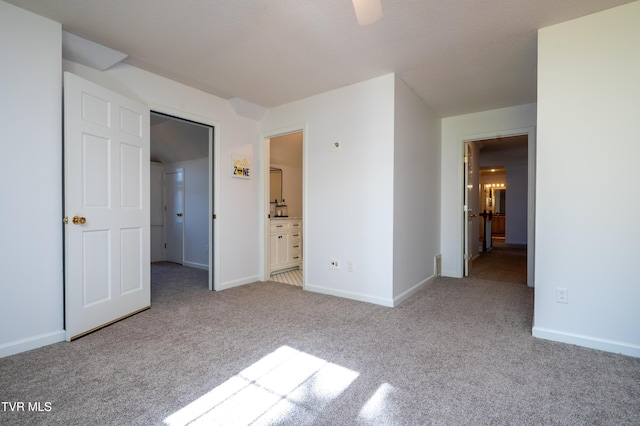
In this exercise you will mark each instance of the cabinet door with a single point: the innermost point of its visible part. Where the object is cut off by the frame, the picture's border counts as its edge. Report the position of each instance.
(273, 250)
(279, 249)
(282, 249)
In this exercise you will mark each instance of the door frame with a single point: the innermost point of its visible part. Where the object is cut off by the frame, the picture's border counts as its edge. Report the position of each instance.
(531, 191)
(469, 213)
(263, 196)
(214, 185)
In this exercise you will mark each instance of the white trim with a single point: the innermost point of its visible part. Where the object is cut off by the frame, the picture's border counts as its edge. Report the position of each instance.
(407, 294)
(451, 273)
(263, 199)
(196, 265)
(239, 282)
(587, 341)
(350, 295)
(214, 175)
(31, 343)
(531, 208)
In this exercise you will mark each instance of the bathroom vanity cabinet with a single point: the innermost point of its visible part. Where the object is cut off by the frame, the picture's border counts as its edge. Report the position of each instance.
(498, 225)
(285, 243)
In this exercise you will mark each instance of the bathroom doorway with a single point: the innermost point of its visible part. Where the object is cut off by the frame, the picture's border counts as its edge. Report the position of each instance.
(284, 218)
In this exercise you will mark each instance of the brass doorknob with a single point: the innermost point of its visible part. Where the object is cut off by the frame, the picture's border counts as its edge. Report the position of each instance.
(179, 214)
(78, 220)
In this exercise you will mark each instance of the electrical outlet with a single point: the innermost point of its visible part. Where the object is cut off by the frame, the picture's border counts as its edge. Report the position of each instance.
(562, 295)
(334, 264)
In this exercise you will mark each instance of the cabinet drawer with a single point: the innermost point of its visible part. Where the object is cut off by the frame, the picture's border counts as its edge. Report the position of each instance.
(296, 247)
(279, 226)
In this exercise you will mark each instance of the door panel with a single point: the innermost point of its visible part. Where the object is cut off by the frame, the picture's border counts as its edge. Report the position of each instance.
(96, 268)
(131, 176)
(95, 171)
(131, 260)
(107, 267)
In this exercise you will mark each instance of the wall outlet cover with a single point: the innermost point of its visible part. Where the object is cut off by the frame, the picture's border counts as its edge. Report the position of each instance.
(562, 295)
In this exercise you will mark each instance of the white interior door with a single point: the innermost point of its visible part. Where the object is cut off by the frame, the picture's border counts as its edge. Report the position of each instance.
(106, 186)
(469, 214)
(174, 216)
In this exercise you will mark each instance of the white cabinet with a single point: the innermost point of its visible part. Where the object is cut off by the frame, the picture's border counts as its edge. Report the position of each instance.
(279, 248)
(285, 244)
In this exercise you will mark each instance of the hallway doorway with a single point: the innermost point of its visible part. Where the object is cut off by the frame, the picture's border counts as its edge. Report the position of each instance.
(502, 194)
(504, 262)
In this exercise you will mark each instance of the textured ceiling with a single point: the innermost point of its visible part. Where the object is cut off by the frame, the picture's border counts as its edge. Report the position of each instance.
(460, 56)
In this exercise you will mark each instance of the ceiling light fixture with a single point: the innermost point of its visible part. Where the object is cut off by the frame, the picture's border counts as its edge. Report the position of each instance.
(367, 11)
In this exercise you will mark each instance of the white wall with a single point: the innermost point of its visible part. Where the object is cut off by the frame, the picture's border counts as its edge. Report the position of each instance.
(236, 200)
(588, 147)
(348, 210)
(157, 212)
(455, 130)
(516, 205)
(416, 191)
(31, 286)
(196, 210)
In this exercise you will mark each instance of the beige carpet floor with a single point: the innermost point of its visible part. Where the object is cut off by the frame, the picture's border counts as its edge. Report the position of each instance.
(459, 352)
(504, 262)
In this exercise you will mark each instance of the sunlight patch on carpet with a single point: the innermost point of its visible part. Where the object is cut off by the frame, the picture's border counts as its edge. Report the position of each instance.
(283, 384)
(376, 407)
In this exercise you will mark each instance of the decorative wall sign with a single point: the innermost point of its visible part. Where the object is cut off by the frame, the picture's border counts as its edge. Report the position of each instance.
(241, 166)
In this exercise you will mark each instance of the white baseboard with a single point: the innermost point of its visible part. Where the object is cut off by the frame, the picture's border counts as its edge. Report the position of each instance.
(196, 265)
(349, 295)
(237, 283)
(587, 341)
(30, 343)
(404, 296)
(451, 274)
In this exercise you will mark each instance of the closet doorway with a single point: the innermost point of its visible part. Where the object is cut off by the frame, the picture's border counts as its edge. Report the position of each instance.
(182, 186)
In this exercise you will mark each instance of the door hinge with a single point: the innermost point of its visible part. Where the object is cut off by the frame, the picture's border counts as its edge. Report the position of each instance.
(214, 216)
